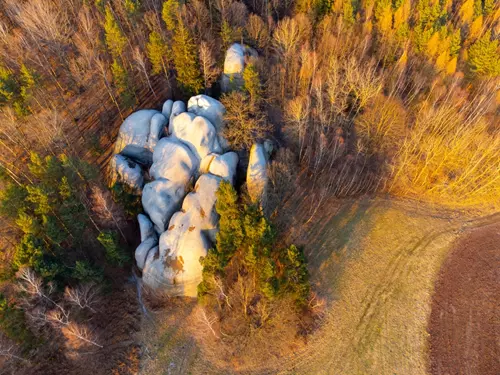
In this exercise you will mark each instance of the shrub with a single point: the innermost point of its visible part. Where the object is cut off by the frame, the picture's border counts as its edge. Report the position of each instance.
(114, 253)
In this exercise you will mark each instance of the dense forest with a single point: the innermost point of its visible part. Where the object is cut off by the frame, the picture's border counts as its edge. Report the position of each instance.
(360, 96)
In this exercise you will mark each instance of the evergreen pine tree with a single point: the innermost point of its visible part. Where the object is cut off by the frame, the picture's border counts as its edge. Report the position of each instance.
(115, 40)
(170, 13)
(252, 83)
(483, 58)
(122, 83)
(157, 50)
(186, 60)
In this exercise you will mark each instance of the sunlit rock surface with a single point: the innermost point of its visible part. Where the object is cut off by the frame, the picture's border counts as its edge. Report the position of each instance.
(224, 166)
(173, 160)
(257, 173)
(160, 199)
(212, 110)
(237, 56)
(191, 230)
(178, 107)
(197, 133)
(175, 267)
(135, 130)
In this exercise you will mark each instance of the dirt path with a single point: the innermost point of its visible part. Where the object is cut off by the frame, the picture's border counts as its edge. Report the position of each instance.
(465, 322)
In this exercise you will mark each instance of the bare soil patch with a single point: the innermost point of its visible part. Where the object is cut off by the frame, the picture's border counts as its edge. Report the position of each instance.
(464, 325)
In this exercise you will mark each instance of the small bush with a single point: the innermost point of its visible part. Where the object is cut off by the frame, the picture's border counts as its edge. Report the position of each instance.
(114, 253)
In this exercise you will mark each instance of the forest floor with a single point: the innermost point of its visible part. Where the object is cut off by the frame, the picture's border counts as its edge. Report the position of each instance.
(376, 263)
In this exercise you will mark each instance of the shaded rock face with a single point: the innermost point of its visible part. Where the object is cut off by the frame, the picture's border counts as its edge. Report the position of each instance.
(126, 171)
(176, 147)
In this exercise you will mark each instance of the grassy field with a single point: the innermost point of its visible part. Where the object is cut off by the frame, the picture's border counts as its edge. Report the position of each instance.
(375, 262)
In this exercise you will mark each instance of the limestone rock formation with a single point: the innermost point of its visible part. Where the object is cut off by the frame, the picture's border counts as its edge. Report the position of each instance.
(160, 199)
(257, 173)
(178, 107)
(236, 57)
(166, 109)
(175, 267)
(126, 171)
(173, 160)
(197, 133)
(145, 227)
(224, 166)
(156, 130)
(142, 251)
(212, 110)
(176, 147)
(135, 130)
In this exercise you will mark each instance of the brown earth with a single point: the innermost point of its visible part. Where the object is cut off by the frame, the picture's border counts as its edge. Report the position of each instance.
(465, 319)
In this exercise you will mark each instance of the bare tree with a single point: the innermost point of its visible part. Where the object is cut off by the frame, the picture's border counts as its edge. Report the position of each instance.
(207, 321)
(208, 64)
(222, 294)
(106, 209)
(84, 296)
(43, 309)
(42, 20)
(9, 350)
(139, 59)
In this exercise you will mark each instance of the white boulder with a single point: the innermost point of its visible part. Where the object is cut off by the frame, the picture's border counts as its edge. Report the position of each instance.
(211, 109)
(208, 107)
(138, 154)
(224, 166)
(160, 199)
(197, 133)
(237, 57)
(257, 173)
(142, 251)
(135, 130)
(177, 108)
(157, 127)
(176, 266)
(145, 227)
(199, 206)
(173, 160)
(234, 62)
(166, 110)
(127, 172)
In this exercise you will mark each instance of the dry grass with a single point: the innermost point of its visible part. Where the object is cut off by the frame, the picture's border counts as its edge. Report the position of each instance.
(375, 262)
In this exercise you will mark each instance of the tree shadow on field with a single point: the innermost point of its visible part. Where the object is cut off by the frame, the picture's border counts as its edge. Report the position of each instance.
(333, 239)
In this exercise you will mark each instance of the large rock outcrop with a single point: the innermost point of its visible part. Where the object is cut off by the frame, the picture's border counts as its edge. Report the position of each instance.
(136, 129)
(191, 230)
(237, 56)
(160, 199)
(257, 173)
(176, 147)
